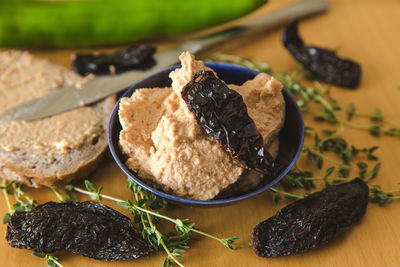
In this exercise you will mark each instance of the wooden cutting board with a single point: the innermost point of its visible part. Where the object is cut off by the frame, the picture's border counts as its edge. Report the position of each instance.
(364, 30)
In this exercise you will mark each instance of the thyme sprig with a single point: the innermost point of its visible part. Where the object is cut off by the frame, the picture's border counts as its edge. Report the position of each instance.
(145, 210)
(22, 202)
(377, 195)
(278, 194)
(319, 102)
(5, 188)
(260, 65)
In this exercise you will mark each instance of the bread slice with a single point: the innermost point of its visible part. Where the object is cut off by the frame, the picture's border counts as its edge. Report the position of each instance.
(52, 150)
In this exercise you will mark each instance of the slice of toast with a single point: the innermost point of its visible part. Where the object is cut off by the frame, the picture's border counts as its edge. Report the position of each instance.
(57, 149)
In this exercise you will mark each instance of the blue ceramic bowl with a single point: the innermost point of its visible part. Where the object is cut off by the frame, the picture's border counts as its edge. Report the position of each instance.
(291, 136)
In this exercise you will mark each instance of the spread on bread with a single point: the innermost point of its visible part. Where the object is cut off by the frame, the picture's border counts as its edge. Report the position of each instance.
(59, 148)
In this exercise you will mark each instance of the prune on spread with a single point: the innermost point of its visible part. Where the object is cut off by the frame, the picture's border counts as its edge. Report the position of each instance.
(222, 113)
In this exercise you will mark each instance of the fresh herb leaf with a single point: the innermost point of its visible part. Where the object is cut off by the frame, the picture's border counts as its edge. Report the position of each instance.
(58, 194)
(383, 198)
(6, 217)
(374, 129)
(350, 110)
(227, 242)
(297, 179)
(50, 260)
(91, 188)
(39, 255)
(7, 186)
(329, 171)
(375, 171)
(378, 117)
(51, 263)
(393, 131)
(124, 204)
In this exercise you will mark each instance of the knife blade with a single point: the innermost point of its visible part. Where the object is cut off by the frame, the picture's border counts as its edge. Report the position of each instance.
(68, 97)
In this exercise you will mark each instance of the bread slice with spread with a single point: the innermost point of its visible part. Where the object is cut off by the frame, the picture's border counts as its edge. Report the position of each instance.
(57, 149)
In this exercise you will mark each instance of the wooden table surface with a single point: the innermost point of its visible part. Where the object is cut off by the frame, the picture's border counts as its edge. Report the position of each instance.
(364, 30)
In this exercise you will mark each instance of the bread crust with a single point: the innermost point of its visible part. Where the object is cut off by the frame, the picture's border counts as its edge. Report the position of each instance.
(18, 175)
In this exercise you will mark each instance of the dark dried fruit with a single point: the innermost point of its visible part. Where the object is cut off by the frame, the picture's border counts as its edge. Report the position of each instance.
(312, 221)
(87, 228)
(136, 57)
(222, 113)
(322, 63)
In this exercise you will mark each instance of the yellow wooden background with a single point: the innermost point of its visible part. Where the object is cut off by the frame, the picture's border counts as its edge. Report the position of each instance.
(364, 30)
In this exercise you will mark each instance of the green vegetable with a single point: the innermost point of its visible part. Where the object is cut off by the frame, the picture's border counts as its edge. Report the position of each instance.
(71, 23)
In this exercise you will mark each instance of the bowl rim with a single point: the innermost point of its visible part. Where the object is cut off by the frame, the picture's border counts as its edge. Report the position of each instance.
(212, 202)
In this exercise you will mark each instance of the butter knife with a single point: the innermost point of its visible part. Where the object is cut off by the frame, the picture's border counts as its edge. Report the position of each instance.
(68, 97)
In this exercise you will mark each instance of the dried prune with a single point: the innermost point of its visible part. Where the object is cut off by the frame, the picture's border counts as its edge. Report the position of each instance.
(222, 114)
(322, 63)
(136, 57)
(312, 221)
(87, 228)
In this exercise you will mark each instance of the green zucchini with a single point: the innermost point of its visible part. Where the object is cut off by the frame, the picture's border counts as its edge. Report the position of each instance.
(74, 23)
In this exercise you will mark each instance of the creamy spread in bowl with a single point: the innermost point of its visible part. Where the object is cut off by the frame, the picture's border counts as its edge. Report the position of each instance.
(165, 145)
(288, 142)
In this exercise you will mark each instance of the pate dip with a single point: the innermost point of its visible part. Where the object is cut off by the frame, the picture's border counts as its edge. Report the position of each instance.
(165, 145)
